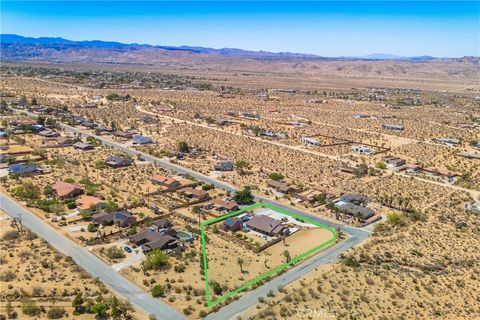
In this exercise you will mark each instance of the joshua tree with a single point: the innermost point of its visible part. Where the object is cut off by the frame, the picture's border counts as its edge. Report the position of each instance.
(240, 263)
(287, 256)
(241, 165)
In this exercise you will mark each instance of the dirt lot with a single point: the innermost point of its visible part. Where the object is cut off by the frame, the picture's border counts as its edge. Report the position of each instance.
(36, 278)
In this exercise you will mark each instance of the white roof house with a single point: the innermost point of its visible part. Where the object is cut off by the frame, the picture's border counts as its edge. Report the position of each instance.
(311, 141)
(362, 149)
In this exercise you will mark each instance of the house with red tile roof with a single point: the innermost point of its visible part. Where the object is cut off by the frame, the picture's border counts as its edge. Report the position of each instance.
(168, 182)
(67, 190)
(86, 202)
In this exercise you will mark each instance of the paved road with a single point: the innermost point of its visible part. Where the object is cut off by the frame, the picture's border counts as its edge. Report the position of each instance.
(362, 234)
(93, 265)
(357, 235)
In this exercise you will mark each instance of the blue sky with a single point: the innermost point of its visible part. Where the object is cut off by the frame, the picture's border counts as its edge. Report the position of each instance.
(342, 28)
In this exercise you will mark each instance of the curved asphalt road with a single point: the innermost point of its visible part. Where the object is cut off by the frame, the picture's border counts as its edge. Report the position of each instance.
(93, 265)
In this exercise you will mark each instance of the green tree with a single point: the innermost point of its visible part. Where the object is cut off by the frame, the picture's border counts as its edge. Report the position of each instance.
(30, 308)
(100, 309)
(48, 191)
(157, 291)
(77, 302)
(91, 227)
(111, 206)
(381, 165)
(156, 260)
(27, 191)
(275, 176)
(321, 197)
(241, 166)
(244, 196)
(183, 147)
(41, 120)
(114, 307)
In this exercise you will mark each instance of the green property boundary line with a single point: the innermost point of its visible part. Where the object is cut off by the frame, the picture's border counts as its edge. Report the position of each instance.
(211, 303)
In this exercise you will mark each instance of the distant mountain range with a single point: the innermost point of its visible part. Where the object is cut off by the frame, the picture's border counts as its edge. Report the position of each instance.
(9, 40)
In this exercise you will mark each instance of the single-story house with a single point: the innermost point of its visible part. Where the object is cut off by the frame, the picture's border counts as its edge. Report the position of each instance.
(448, 141)
(139, 139)
(83, 146)
(267, 225)
(49, 134)
(86, 202)
(67, 190)
(222, 205)
(281, 186)
(90, 125)
(360, 212)
(232, 224)
(310, 196)
(122, 218)
(144, 236)
(65, 141)
(394, 162)
(190, 192)
(164, 242)
(355, 198)
(362, 149)
(469, 155)
(223, 166)
(22, 168)
(161, 224)
(393, 127)
(123, 134)
(167, 182)
(118, 162)
(443, 172)
(311, 141)
(412, 167)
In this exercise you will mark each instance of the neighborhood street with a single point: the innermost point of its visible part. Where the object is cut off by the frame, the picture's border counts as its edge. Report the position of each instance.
(360, 233)
(93, 265)
(134, 294)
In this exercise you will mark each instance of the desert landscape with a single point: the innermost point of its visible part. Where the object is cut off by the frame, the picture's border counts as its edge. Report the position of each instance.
(154, 181)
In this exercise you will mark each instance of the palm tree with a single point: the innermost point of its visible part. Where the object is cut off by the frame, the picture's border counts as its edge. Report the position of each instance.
(240, 263)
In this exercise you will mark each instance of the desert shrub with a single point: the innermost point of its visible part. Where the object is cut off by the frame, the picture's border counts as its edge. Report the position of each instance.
(155, 260)
(8, 276)
(27, 191)
(217, 289)
(56, 313)
(30, 308)
(11, 235)
(395, 219)
(350, 261)
(180, 268)
(115, 253)
(275, 176)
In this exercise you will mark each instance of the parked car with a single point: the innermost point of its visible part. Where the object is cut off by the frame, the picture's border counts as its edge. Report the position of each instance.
(127, 249)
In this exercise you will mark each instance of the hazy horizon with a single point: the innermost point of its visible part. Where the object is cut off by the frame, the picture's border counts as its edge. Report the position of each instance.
(329, 29)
